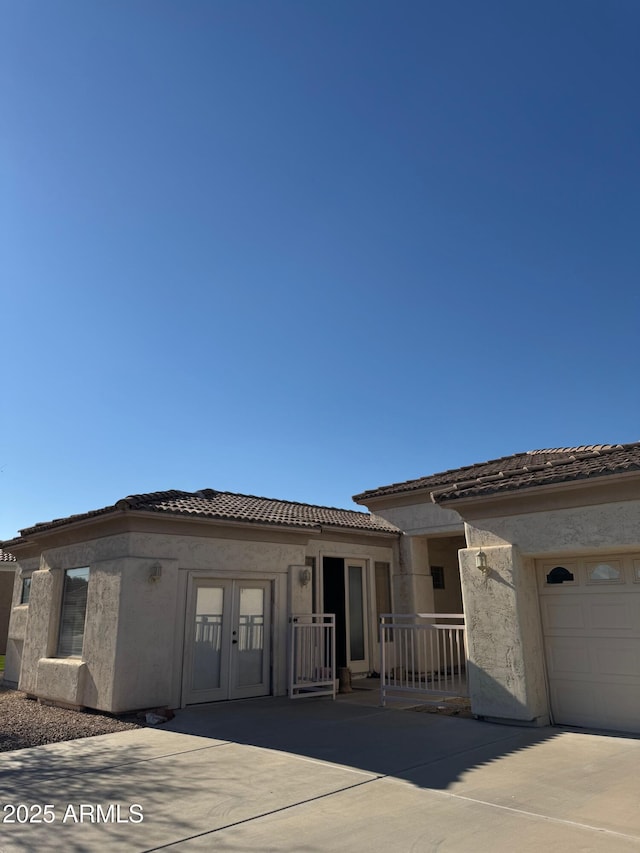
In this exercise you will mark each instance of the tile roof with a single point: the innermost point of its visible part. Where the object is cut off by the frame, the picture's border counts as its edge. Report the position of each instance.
(229, 506)
(520, 471)
(6, 557)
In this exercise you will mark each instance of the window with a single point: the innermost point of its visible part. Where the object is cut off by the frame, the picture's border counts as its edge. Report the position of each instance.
(559, 575)
(437, 576)
(26, 590)
(74, 607)
(604, 573)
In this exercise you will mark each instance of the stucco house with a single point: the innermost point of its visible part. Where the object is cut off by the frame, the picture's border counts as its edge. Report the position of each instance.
(549, 564)
(174, 598)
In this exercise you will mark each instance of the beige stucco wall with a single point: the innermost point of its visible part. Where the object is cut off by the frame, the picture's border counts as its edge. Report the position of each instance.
(72, 681)
(420, 518)
(17, 623)
(134, 640)
(413, 585)
(504, 639)
(7, 577)
(443, 551)
(502, 609)
(157, 671)
(574, 529)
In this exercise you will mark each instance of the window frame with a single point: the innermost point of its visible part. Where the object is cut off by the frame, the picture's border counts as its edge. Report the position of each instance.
(26, 587)
(67, 644)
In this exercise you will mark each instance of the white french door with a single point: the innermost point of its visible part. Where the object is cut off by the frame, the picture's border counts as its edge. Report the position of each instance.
(227, 653)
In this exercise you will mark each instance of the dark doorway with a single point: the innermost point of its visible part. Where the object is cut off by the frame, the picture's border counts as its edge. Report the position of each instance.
(334, 602)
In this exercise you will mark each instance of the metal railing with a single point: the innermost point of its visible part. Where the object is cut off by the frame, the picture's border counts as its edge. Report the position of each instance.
(423, 655)
(250, 631)
(209, 629)
(312, 650)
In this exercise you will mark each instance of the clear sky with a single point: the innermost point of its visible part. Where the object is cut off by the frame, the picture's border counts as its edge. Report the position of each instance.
(302, 248)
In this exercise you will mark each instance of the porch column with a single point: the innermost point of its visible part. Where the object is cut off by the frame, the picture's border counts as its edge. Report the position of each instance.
(414, 587)
(505, 648)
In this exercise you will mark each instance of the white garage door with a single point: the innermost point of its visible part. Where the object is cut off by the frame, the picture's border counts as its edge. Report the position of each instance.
(591, 624)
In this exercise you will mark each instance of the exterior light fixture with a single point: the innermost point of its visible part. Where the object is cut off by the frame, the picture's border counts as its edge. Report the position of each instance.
(155, 572)
(481, 562)
(304, 577)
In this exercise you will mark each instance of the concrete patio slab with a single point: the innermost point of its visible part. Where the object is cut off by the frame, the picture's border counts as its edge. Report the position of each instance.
(317, 775)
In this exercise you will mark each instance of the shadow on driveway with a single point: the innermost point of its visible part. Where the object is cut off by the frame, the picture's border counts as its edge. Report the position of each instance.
(384, 741)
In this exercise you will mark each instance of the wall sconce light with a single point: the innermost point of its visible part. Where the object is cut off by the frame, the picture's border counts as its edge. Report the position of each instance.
(481, 562)
(304, 577)
(155, 573)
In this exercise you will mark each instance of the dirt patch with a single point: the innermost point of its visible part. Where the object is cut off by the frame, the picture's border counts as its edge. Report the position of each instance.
(449, 707)
(25, 722)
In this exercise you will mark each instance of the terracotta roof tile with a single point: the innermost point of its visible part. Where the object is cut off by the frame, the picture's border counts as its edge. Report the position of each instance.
(6, 557)
(229, 506)
(520, 471)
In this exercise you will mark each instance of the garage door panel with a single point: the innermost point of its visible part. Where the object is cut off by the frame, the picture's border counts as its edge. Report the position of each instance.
(574, 703)
(616, 657)
(567, 656)
(612, 615)
(560, 615)
(617, 710)
(592, 643)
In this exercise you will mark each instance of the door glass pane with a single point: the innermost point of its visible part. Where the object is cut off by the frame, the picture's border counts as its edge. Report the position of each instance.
(356, 614)
(208, 638)
(250, 644)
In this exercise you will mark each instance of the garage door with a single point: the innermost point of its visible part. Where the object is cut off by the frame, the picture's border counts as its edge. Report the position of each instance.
(591, 623)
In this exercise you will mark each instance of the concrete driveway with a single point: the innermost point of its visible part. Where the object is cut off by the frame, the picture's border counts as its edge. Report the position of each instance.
(314, 775)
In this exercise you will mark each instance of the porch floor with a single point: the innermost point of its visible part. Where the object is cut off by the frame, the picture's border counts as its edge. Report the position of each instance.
(366, 691)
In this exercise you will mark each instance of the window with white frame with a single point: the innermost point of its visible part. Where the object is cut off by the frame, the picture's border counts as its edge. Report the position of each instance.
(72, 616)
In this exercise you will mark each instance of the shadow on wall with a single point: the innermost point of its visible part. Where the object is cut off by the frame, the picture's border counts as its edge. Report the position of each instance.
(493, 700)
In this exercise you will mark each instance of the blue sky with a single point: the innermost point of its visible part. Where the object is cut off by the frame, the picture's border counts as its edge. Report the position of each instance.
(302, 249)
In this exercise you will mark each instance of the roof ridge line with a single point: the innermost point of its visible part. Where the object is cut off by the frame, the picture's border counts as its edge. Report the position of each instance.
(281, 501)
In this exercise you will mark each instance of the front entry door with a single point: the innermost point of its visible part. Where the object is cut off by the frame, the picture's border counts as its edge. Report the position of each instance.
(344, 584)
(228, 640)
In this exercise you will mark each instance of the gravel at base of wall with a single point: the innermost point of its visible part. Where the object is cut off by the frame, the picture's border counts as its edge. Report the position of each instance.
(25, 722)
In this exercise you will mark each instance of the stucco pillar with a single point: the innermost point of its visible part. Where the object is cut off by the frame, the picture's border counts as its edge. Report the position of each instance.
(42, 625)
(506, 674)
(413, 584)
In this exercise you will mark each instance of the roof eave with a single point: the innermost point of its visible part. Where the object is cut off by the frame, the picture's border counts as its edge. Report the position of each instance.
(531, 491)
(48, 532)
(361, 531)
(389, 498)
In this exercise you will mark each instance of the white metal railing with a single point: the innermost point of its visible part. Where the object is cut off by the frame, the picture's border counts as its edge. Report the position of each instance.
(312, 650)
(422, 654)
(250, 631)
(209, 629)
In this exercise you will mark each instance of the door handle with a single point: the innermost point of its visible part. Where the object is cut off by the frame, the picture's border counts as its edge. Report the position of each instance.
(234, 642)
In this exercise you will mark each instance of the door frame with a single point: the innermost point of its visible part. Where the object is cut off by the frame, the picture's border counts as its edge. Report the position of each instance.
(233, 584)
(357, 667)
